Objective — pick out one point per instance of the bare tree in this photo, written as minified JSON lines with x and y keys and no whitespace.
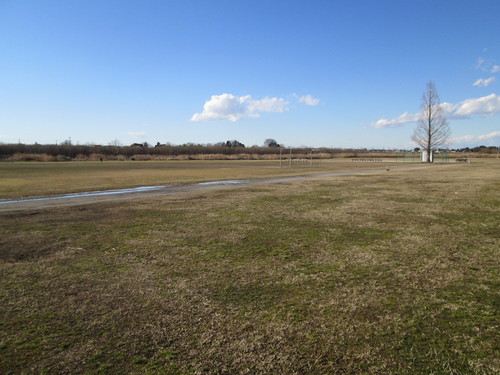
{"x":432,"y":130}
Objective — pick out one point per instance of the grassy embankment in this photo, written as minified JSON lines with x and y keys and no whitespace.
{"x":391,"y":272}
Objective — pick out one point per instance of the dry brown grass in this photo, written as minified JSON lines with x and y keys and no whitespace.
{"x":35,"y":179}
{"x":392,"y":272}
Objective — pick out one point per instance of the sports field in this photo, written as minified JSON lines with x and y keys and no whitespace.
{"x":384,"y":272}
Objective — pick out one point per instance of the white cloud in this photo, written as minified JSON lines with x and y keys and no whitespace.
{"x":234,"y":108}
{"x":463,"y":139}
{"x":485,"y":106}
{"x":450,"y":110}
{"x":495,"y":69}
{"x":397,"y":121}
{"x":266,"y":105}
{"x":481,"y":82}
{"x":476,"y":138}
{"x":309,"y":100}
{"x":489,"y":135}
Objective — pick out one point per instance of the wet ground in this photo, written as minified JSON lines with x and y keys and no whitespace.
{"x":73,"y":199}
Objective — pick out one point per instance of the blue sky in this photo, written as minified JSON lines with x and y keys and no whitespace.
{"x":316,"y":73}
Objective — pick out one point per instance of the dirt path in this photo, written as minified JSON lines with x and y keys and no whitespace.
{"x":65,"y":200}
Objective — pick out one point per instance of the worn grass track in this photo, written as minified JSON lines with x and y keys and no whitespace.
{"x":388,"y":273}
{"x":26,"y":179}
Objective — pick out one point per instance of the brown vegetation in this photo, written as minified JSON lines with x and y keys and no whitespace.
{"x":22,"y":152}
{"x":25,"y":179}
{"x":66,"y":152}
{"x":393,"y":273}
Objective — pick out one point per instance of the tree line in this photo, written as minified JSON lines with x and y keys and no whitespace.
{"x":232,"y":148}
{"x":227,"y":149}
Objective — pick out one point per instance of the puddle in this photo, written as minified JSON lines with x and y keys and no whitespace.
{"x":209,"y":183}
{"x":228,"y":182}
{"x":116,"y":191}
{"x":88,"y":194}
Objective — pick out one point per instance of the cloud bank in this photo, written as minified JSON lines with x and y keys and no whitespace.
{"x":234,"y":108}
{"x":485,"y":106}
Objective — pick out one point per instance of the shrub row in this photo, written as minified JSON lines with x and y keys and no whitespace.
{"x":62,"y":152}
{"x":24,"y":152}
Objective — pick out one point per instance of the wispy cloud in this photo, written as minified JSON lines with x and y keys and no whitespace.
{"x":309,"y":100}
{"x":482,"y":82}
{"x":234,"y":108}
{"x":485,"y":106}
{"x":487,"y":66}
{"x":396,"y":121}
{"x":476,"y":138}
{"x":480,"y":64}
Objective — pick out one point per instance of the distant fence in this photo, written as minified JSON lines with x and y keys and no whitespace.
{"x":367,"y":160}
{"x":300,"y":162}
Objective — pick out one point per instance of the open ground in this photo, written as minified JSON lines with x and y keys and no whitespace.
{"x":25,"y":179}
{"x":386,"y":272}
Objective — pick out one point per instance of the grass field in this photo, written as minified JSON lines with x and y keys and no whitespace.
{"x":25,"y":179}
{"x":391,"y":272}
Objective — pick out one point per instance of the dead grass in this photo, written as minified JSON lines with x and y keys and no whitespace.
{"x":395,"y":272}
{"x":27,"y":179}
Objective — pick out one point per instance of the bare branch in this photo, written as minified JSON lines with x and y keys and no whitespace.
{"x":432,"y":130}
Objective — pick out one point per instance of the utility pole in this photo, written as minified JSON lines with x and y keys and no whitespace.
{"x":290,"y":166}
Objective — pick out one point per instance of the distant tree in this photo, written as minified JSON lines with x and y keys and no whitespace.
{"x":234,"y":143}
{"x":432,"y":130}
{"x":416,"y":149}
{"x":271,"y":143}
